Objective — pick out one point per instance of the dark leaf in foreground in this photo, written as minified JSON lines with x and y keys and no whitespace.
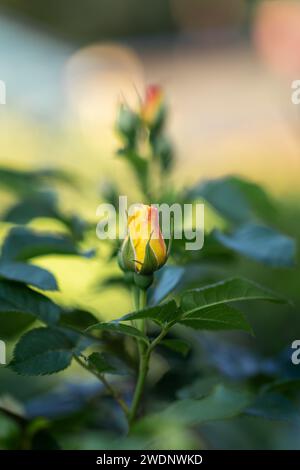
{"x":44,"y":351}
{"x":160,"y":314}
{"x":18,"y":298}
{"x":260,"y":243}
{"x":28,"y":274}
{"x":119,"y":328}
{"x":23,"y":243}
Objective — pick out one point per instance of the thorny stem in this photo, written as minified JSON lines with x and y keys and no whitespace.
{"x":143,"y":364}
{"x":136,"y":304}
{"x":144,"y":358}
{"x":158,"y":339}
{"x":143,"y":369}
{"x":107,"y":385}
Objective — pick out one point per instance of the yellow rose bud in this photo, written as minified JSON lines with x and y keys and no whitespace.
{"x":153,"y":109}
{"x":143,"y":250}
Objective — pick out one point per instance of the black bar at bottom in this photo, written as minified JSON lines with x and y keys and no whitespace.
{"x":128,"y":459}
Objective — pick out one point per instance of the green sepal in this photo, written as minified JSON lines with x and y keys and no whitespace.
{"x":150,"y":263}
{"x":126,"y":256}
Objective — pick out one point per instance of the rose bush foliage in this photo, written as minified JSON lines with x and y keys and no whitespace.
{"x":174,"y":304}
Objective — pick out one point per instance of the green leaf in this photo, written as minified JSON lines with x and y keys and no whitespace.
{"x":222,"y":403}
{"x":40,"y":204}
{"x":260,"y":243}
{"x":78,"y":319}
{"x":259,"y":201}
{"x":160,"y":314}
{"x":45,"y":351}
{"x":201,"y":387}
{"x":44,"y":204}
{"x":166,"y":279}
{"x":27,"y":181}
{"x":98,"y":361}
{"x":231,"y":290}
{"x":28,"y":274}
{"x":23,"y":243}
{"x":218,"y":317}
{"x":213,"y":251}
{"x":273,"y":406}
{"x":235,"y":198}
{"x":206,"y":308}
{"x":285,"y":386}
{"x":18,"y":298}
{"x":115,"y":327}
{"x":178,"y":345}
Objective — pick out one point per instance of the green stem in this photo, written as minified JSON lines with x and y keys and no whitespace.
{"x":144,"y":356}
{"x":135,"y":297}
{"x":107,"y":385}
{"x":158,"y":339}
{"x":143,"y":370}
{"x":143,"y":304}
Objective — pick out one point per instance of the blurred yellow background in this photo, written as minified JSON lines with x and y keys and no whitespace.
{"x":226,"y":83}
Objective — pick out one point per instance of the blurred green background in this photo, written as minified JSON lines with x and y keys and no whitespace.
{"x":226,"y":67}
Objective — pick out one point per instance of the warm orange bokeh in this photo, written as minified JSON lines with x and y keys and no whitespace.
{"x":276,"y":35}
